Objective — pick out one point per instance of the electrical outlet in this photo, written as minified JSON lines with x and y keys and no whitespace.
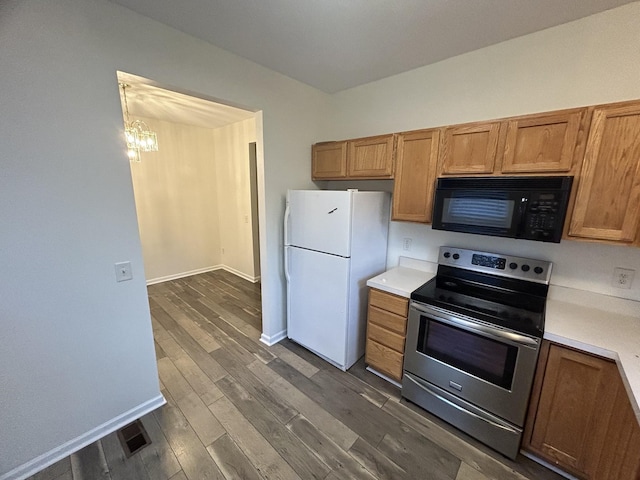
{"x":622,"y":277}
{"x":123,"y":271}
{"x":406,"y":244}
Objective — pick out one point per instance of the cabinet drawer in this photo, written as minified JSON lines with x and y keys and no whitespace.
{"x":384,"y":360}
{"x":388,"y":320}
{"x":385,"y":337}
{"x":389,"y":302}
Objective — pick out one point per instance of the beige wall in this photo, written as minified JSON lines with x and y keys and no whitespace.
{"x":193,"y":200}
{"x":176,"y":196}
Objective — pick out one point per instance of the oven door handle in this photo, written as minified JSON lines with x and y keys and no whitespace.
{"x":474,"y":326}
{"x":458,"y":407}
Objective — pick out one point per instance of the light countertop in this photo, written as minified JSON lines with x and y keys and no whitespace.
{"x":610,"y":334}
{"x":405,"y":278}
{"x":599,"y":324}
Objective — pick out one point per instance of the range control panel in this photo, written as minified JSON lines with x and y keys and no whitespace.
{"x":497,"y":264}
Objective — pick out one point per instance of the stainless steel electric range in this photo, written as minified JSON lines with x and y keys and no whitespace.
{"x":473,"y":338}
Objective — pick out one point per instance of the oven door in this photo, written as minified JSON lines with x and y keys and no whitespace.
{"x":487,"y":366}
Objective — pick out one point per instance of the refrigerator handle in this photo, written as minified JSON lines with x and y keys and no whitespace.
{"x":287,"y":214}
{"x":286,"y":265}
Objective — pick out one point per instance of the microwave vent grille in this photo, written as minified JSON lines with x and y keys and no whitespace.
{"x":519,"y":183}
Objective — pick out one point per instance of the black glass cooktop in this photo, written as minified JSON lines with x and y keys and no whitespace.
{"x":514,"y":304}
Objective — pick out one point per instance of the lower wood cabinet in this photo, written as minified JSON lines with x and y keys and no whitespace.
{"x":386,"y":330}
{"x":580,"y":417}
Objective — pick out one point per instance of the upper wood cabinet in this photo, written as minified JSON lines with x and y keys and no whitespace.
{"x":416,"y":161}
{"x":469,"y":149}
{"x":580,"y":417}
{"x":370,"y":157}
{"x":329,"y":160}
{"x":542,"y":143}
{"x":607,"y":205}
{"x":598,"y":145}
{"x":362,"y":158}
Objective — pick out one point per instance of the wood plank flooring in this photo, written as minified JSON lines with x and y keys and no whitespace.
{"x":238,"y":409}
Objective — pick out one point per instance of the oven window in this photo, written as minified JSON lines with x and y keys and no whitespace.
{"x":483,"y":212}
{"x":475,"y":354}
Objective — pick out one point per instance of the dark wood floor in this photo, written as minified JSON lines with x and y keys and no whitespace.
{"x":238,"y":409}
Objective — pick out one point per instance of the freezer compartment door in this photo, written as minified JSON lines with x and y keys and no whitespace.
{"x":317,"y":300}
{"x":319,"y":220}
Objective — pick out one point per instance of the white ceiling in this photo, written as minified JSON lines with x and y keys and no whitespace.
{"x":338,"y":44}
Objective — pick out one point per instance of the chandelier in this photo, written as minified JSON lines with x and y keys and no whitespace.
{"x":139,"y":137}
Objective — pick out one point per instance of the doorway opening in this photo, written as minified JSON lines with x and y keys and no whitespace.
{"x":196,"y":197}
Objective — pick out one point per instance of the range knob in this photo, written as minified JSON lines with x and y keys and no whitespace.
{"x":525,"y":268}
{"x":538,"y":270}
{"x":446,"y":254}
{"x":456,"y":256}
{"x":513,"y":265}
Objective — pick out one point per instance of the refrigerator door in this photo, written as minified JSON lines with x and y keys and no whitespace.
{"x":319,"y":220}
{"x":317,"y":297}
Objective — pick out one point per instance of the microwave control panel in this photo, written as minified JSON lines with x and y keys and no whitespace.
{"x":542,"y":219}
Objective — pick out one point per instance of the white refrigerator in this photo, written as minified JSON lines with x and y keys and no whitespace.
{"x":334,"y":242}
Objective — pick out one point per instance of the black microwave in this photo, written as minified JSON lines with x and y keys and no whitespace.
{"x":531,"y":208}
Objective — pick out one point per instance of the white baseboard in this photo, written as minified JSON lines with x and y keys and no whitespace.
{"x":52,"y":456}
{"x":175,"y":276}
{"x":550,"y":466}
{"x":271,"y":339}
{"x":384,"y":377}
{"x":241,"y":274}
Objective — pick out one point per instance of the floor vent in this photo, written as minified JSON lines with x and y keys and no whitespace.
{"x":133,"y":438}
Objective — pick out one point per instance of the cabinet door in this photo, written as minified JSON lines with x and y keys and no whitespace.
{"x":413,"y":189}
{"x":469,"y":149}
{"x":329,"y":160}
{"x":581,"y":417}
{"x":575,"y":385}
{"x":607,"y":205}
{"x":370,"y":157}
{"x":541,"y":143}
{"x":619,"y":455}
